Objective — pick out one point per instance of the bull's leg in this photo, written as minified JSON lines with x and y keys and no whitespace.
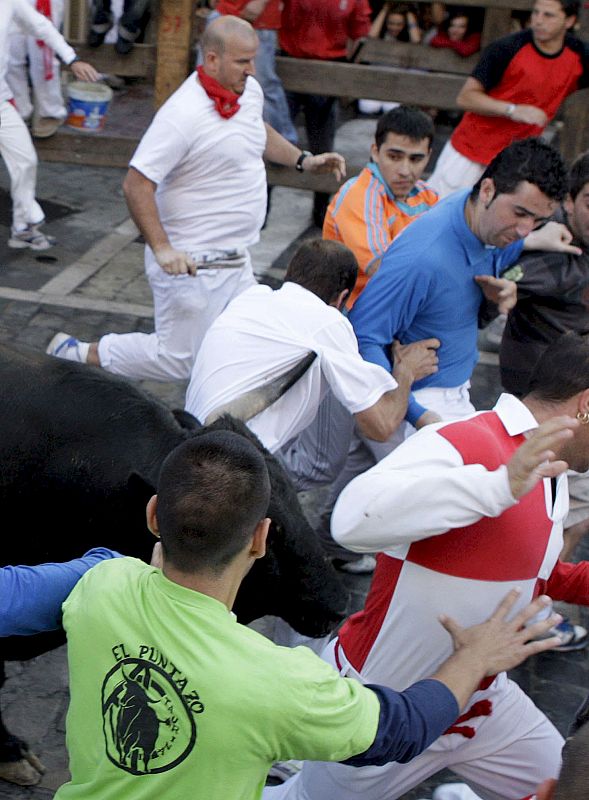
{"x":17,"y":763}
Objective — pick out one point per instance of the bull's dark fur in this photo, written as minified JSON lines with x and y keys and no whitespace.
{"x":80,"y":455}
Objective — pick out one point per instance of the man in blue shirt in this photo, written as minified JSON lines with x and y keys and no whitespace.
{"x":436,"y":278}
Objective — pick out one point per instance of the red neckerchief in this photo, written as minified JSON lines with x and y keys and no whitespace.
{"x":44,"y":7}
{"x":226,"y":102}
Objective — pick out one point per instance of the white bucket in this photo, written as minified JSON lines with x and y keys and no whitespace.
{"x":87,"y":105}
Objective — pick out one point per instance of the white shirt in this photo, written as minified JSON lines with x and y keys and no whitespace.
{"x":20,"y":14}
{"x":262,"y":334}
{"x":210,"y":172}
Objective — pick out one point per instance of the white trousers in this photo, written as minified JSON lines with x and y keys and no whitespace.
{"x":184,"y":308}
{"x":454,"y":171}
{"x":513,"y":750}
{"x":48,"y":100}
{"x":16,"y":148}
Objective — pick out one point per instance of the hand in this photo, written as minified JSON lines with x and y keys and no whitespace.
{"x":498,"y":290}
{"x":84,"y":71}
{"x":554,"y":237}
{"x":326,"y":162}
{"x":174,"y":262}
{"x":427,"y":418}
{"x":252,"y":10}
{"x":156,"y":556}
{"x":499,"y":644}
{"x":534,"y":460}
{"x":530,"y":115}
{"x":419,"y":358}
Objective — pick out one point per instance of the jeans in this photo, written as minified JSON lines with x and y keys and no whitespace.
{"x":276,"y":111}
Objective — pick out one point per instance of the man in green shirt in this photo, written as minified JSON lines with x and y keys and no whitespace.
{"x":172,"y":698}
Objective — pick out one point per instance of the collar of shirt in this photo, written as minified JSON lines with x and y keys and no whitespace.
{"x":473,"y":247}
{"x":190,"y":597}
{"x":515,"y":416}
{"x":378,"y":175}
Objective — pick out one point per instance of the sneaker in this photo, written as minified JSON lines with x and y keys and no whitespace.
{"x":44,"y":127}
{"x":360,"y":566}
{"x":32,"y":238}
{"x":65,"y":346}
{"x":573,"y":637}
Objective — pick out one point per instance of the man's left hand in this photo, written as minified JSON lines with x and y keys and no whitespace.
{"x":84,"y":71}
{"x":553,"y":237}
{"x":499,"y":291}
{"x":326,"y":162}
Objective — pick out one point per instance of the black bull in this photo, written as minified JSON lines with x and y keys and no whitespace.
{"x":80,"y":454}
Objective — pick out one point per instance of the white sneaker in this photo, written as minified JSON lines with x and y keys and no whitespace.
{"x":454,"y":791}
{"x":65,"y":346}
{"x":31,"y":237}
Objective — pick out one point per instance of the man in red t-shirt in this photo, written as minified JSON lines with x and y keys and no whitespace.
{"x":264,"y":15}
{"x":514,"y":91}
{"x":320,"y":29}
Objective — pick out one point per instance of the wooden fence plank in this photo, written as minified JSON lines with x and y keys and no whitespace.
{"x":140,"y":63}
{"x":333,"y":78}
{"x":414,"y":56}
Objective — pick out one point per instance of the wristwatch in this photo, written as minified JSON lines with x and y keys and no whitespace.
{"x":510,"y":109}
{"x":301,"y":158}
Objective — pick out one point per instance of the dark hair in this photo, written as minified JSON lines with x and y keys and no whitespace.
{"x":528,"y":160}
{"x":458,"y":11}
{"x":571,"y":8}
{"x":562,"y":371}
{"x":323,"y":267}
{"x":397,"y":8}
{"x":212,"y":492}
{"x":579,"y":174}
{"x":405,"y":121}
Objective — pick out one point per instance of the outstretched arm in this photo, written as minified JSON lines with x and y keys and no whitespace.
{"x":376,"y":511}
{"x":410,"y":721}
{"x":31,"y":597}
{"x":281,"y":151}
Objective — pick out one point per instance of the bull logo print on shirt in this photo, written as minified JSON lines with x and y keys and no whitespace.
{"x":148,"y":726}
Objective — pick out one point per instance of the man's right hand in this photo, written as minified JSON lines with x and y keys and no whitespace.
{"x":531,"y":115}
{"x":427,"y":418}
{"x":419,"y":359}
{"x":174,"y":262}
{"x":535,"y":459}
{"x":500,"y":643}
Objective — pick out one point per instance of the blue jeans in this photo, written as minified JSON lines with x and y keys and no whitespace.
{"x":276,"y":112}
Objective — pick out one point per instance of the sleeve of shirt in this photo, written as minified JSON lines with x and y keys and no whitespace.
{"x":361,"y":225}
{"x":324,"y":717}
{"x":30,"y":21}
{"x":162,"y":147}
{"x":495,"y":59}
{"x":357,"y":384}
{"x":409,"y":722}
{"x":547,"y":274}
{"x":569,"y":583}
{"x":377,"y":510}
{"x":31,"y":597}
{"x":378,"y":319}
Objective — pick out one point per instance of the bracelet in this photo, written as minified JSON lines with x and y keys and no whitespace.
{"x":509,"y":111}
{"x":301,"y":158}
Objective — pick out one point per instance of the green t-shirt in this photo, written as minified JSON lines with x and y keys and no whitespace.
{"x":172,"y":698}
